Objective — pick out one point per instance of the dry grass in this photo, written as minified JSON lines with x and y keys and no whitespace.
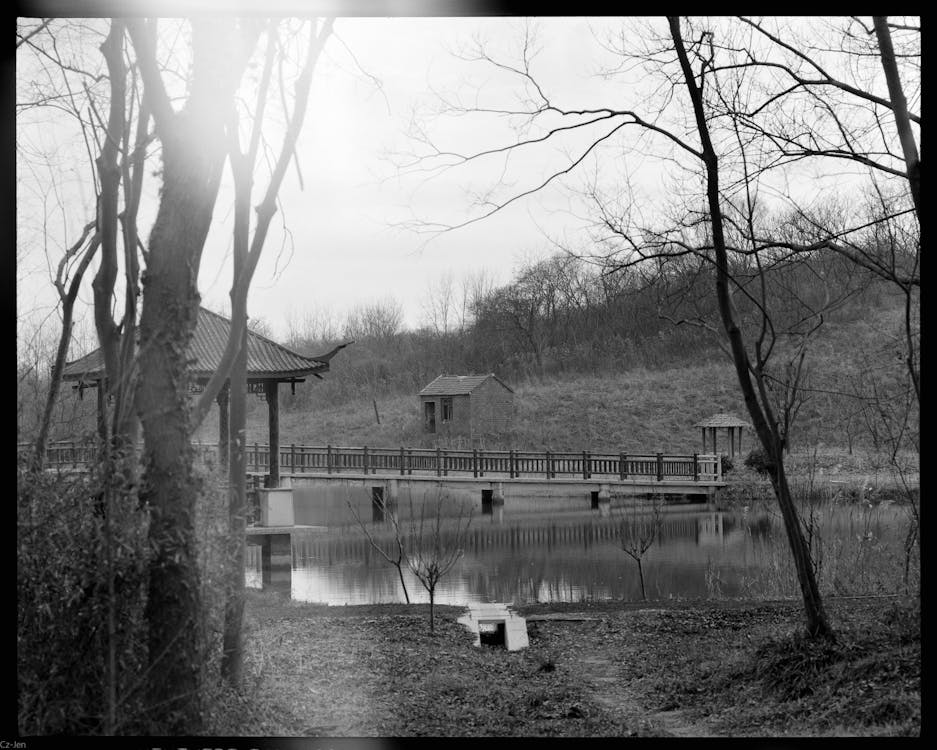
{"x":663,"y":669}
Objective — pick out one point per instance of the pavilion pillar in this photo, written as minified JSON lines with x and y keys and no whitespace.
{"x":271,"y":387}
{"x":223,"y":434}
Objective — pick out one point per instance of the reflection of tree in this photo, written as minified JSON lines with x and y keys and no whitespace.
{"x":549,"y":565}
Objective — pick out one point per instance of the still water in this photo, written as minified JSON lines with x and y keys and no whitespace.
{"x":576,"y":555}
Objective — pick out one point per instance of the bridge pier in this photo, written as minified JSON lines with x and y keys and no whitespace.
{"x":276,"y":560}
{"x":497,"y":493}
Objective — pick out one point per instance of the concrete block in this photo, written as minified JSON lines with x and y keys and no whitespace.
{"x":515,"y":627}
{"x":276,"y":507}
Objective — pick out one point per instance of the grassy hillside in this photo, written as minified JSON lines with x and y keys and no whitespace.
{"x":631,"y":410}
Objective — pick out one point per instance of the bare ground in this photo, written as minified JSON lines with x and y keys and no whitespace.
{"x":606,"y":669}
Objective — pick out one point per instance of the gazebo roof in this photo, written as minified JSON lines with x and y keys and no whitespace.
{"x":722,"y":420}
{"x":266,"y":359}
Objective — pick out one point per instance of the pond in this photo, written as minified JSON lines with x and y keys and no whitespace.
{"x":577,"y":555}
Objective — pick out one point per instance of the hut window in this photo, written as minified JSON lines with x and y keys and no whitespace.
{"x":446,"y":409}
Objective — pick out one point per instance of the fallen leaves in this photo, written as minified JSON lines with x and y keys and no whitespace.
{"x":378,"y":671}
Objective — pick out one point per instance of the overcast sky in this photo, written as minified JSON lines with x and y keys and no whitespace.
{"x":337,"y":241}
{"x":344,"y":245}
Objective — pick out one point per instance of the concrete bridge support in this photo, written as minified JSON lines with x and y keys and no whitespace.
{"x":276,"y":560}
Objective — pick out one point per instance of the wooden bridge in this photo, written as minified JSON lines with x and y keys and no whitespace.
{"x":298,"y":460}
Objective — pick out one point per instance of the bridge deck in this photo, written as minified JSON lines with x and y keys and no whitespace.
{"x":544,"y":465}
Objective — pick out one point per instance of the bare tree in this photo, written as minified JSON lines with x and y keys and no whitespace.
{"x":439,"y":304}
{"x":637,"y":530}
{"x":715,"y":215}
{"x":397,"y":556}
{"x":378,"y":320}
{"x":432,"y":545}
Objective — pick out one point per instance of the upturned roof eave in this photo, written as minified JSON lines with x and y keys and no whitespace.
{"x":205,"y":375}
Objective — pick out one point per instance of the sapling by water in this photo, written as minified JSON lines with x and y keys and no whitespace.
{"x":637,"y":530}
{"x":431,"y":551}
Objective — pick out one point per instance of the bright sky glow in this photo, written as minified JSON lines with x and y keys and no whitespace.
{"x":337,"y":242}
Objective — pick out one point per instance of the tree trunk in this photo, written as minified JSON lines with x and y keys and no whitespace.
{"x":233,"y":656}
{"x":432,"y":606}
{"x":109,"y":173}
{"x":61,"y":354}
{"x":816,"y":621}
{"x":191,"y":163}
{"x":403,"y":585}
{"x":900,"y":107}
{"x":641,"y":577}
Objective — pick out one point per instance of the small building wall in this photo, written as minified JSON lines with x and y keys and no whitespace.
{"x":492,"y":408}
{"x":461,"y":422}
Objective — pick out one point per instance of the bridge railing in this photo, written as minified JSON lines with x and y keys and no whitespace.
{"x":299,"y":459}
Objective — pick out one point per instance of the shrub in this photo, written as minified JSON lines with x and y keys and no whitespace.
{"x":727,"y":464}
{"x":759,"y":461}
{"x":64,"y":553}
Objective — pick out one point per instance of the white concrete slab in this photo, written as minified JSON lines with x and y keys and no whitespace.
{"x":493,"y":613}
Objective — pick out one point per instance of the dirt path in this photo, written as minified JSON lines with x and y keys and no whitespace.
{"x":607,"y":687}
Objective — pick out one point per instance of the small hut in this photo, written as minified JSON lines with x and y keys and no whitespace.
{"x":728,"y":422}
{"x":468,"y":405}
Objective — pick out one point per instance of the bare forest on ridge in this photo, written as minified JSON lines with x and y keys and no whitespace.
{"x":599,"y":357}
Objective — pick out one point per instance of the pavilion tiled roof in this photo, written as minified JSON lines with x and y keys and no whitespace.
{"x":458,"y":385}
{"x":265,"y":358}
{"x":722,"y":420}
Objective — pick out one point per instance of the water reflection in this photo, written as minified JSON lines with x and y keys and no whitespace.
{"x":565,"y":556}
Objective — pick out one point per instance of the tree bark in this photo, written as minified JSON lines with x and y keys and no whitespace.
{"x":109,"y":173}
{"x":193,"y":156}
{"x":900,"y":107}
{"x":233,"y":653}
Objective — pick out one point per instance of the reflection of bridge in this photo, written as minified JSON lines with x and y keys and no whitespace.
{"x":528,"y":531}
{"x":275,"y":552}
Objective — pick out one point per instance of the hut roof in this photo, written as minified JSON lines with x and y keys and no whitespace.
{"x":458,"y":385}
{"x":722,"y":420}
{"x":266,"y":359}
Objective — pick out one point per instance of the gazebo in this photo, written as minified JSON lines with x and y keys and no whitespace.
{"x":268,"y":365}
{"x":728,"y":422}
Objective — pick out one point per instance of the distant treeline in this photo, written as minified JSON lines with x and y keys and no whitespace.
{"x":567,"y":315}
